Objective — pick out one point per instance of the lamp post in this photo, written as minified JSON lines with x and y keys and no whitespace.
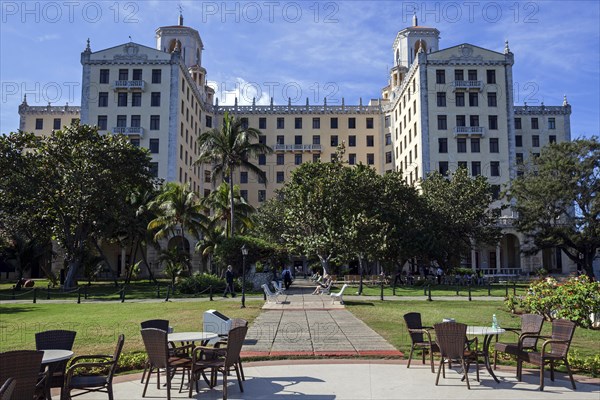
{"x":244,"y":254}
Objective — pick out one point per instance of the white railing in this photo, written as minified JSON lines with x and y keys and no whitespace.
{"x":297,"y":147}
{"x":130,"y":85}
{"x":466,"y":85}
{"x":129,"y":130}
{"x":469,"y":130}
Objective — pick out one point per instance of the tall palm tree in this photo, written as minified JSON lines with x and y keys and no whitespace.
{"x":231,"y":147}
{"x":219,"y":201}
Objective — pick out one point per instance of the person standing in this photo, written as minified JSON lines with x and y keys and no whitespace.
{"x":287,"y":278}
{"x":229,"y":282}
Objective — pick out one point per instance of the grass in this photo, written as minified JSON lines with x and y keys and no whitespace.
{"x":496,"y":289}
{"x":98,"y":324}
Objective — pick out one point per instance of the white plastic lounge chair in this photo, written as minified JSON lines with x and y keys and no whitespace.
{"x":277,"y":286}
{"x":338,"y":296}
{"x":326,"y":289}
{"x":271,"y":297}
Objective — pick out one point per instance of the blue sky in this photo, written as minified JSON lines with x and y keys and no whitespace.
{"x":300,"y":49}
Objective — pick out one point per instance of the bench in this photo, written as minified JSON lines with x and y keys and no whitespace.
{"x":271,"y":297}
{"x":338,"y":296}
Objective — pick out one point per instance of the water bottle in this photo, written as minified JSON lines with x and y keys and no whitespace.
{"x":494,"y":322}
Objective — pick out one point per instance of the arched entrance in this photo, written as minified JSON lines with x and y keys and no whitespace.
{"x":180,"y":243}
{"x":510,"y":252}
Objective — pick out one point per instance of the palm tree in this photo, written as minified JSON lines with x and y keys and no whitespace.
{"x":229,"y":148}
{"x":219,"y":201}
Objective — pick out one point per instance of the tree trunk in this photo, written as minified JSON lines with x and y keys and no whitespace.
{"x":360,"y":271}
{"x":231,"y":202}
{"x":324,"y":264}
{"x":145,"y":260}
{"x":73,"y":267}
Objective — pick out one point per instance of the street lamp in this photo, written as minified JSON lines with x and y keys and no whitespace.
{"x":244,"y":254}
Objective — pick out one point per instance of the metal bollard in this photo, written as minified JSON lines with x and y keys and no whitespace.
{"x":158,"y":291}
{"x":506,"y":289}
{"x":34,"y":295}
{"x":381,"y":295}
{"x":489,"y":288}
{"x":514,"y":288}
{"x":168,"y":292}
{"x":470,"y":293}
{"x":78,"y":295}
{"x":394,"y":289}
{"x":85,"y":292}
{"x":210,"y":292}
{"x":48,"y":293}
{"x":429,"y":294}
{"x":457,"y":289}
{"x":123,"y":294}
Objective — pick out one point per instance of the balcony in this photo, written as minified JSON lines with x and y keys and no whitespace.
{"x":130,"y":85}
{"x":469,"y":131}
{"x":129,"y":130}
{"x":297,"y":147}
{"x":467,"y":85}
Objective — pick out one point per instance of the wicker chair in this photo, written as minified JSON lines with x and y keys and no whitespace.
{"x":531,"y":324}
{"x":219,"y":360}
{"x":451,"y":339}
{"x":235,"y":322}
{"x":558,"y":343}
{"x":418,"y":332}
{"x":161,"y":324}
{"x":24,"y":367}
{"x":160,"y":357}
{"x":7,"y":389}
{"x":87,"y":381}
{"x":56,"y":339}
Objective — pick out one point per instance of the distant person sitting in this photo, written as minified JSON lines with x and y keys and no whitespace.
{"x":326,"y":284}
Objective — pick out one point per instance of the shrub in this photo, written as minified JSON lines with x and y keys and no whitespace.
{"x":199,"y":282}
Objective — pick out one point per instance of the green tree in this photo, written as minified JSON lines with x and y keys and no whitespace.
{"x":229,"y":148}
{"x":219,"y":202}
{"x":459,"y":215}
{"x":557,"y":200}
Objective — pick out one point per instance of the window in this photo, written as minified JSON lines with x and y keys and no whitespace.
{"x":104,"y":75}
{"x":262,"y":195}
{"x":39,"y":123}
{"x":475,"y":168}
{"x":552,"y":138}
{"x":495,"y":191}
{"x":245,"y":123}
{"x":519,"y":158}
{"x":459,"y":99}
{"x":370,"y":140}
{"x":388,"y":139}
{"x":102,"y":122}
{"x":333,"y":123}
{"x":473,"y":100}
{"x":440,"y":76}
{"x":56,"y":123}
{"x":262,"y":159}
{"x":491,"y":76}
{"x":534,"y":123}
{"x":297,"y":159}
{"x":316,"y":139}
{"x":441,"y":99}
{"x":121,"y":121}
{"x":518,"y":141}
{"x":461,"y":145}
{"x":154,"y":122}
{"x":262,"y":139}
{"x":443,"y":167}
{"x":387,"y":121}
{"x":460,"y":120}
{"x":136,"y":121}
{"x":492,"y":100}
{"x":136,"y":99}
{"x":472,"y":74}
{"x":370,"y":158}
{"x":352,"y":158}
{"x":369,"y":123}
{"x":351,"y":123}
{"x":243,"y":194}
{"x":494,"y":146}
{"x":459,"y":75}
{"x":442,"y":122}
{"x":474,"y":120}
{"x":388,"y":157}
{"x":334,"y":140}
{"x":154,"y":169}
{"x":535,"y":140}
{"x":156,"y":76}
{"x":298,"y":123}
{"x":551,"y":123}
{"x":442,"y":145}
{"x":155,"y":99}
{"x":475,"y":145}
{"x":518,"y":123}
{"x":280,"y":139}
{"x":137,"y":74}
{"x":495,"y":168}
{"x":207,"y":175}
{"x":462,"y":164}
{"x":103,"y":99}
{"x":280,"y":159}
{"x":154,"y":146}
{"x":135,"y":142}
{"x":208,"y":120}
{"x":280,"y":177}
{"x":298,"y":139}
{"x":280,"y":123}
{"x":316,"y":123}
{"x":262,"y":123}
{"x":493,"y":122}
{"x":243,"y":177}
{"x":352,"y":141}
{"x":123,"y":74}
{"x":122,"y":100}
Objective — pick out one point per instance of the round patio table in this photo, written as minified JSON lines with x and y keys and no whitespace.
{"x":488,"y":333}
{"x":190,"y":337}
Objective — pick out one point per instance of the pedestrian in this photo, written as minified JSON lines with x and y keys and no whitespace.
{"x":287,"y":278}
{"x":439,"y":274}
{"x":229,"y":282}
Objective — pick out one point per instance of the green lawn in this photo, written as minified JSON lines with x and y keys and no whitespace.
{"x":496,"y":289}
{"x":99,"y":324}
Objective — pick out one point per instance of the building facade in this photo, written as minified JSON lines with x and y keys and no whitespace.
{"x":442,"y":109}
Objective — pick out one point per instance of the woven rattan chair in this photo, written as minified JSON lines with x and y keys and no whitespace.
{"x":235,"y":322}
{"x":24,"y":367}
{"x":451,"y":339}
{"x":219,"y":360}
{"x":52,"y":340}
{"x":161,"y":324}
{"x":554,"y":349}
{"x":531,"y":324}
{"x":420,"y":337}
{"x":92,"y":376}
{"x":160,"y":357}
{"x":7,"y":389}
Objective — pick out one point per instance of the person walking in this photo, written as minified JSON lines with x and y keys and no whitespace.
{"x":287,"y":278}
{"x":229,"y":282}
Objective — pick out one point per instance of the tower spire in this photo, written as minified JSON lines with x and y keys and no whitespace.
{"x":180,"y":21}
{"x":414,"y":20}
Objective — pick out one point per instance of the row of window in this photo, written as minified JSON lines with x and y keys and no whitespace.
{"x":122,"y":99}
{"x":459,"y":75}
{"x":461,"y":145}
{"x":535,"y":123}
{"x":535,"y":140}
{"x":316,"y":139}
{"x":136,"y":75}
{"x":56,"y":123}
{"x":459,"y":99}
{"x":461,"y":120}
{"x":122,"y":122}
{"x":494,"y":170}
{"x":316,"y":123}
